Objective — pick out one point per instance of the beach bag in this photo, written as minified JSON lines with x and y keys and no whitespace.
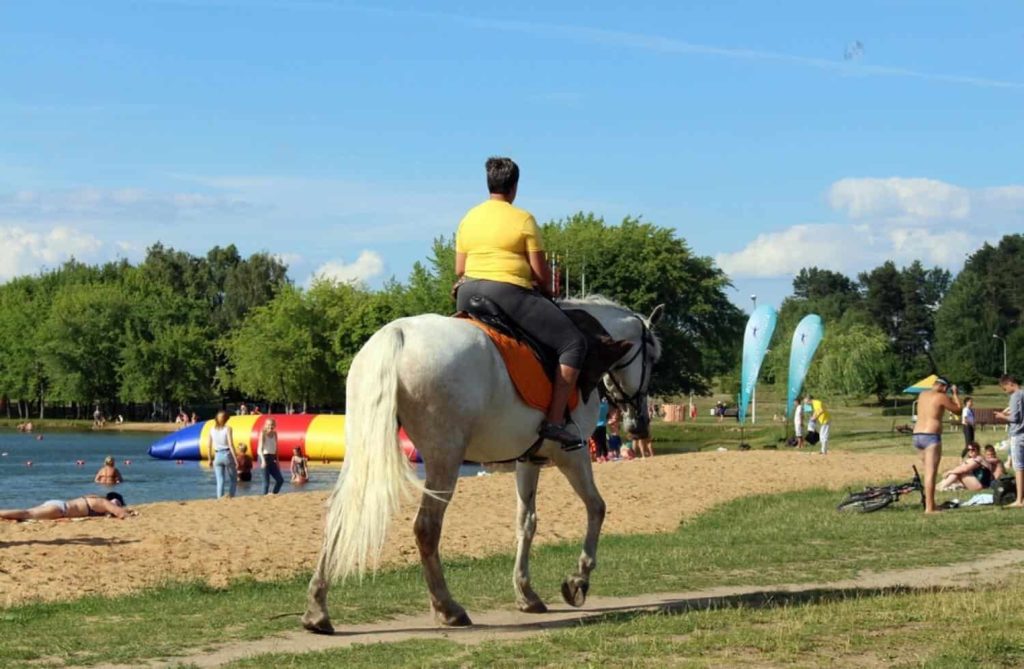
{"x":1004,"y":490}
{"x":812,"y":437}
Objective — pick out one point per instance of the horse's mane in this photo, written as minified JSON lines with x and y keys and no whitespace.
{"x":597,"y":300}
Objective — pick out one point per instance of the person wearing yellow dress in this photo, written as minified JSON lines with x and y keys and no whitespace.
{"x":499,"y":255}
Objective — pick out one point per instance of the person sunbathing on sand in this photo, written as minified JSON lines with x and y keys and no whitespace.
{"x":79,"y":507}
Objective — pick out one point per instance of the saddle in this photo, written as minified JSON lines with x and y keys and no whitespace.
{"x":531,"y":365}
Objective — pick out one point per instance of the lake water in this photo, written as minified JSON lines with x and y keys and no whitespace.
{"x":54,"y":473}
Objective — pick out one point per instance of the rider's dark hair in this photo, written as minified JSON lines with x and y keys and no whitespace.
{"x":1008,"y":378}
{"x":502,"y":175}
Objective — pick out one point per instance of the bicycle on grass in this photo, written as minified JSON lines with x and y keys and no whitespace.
{"x":878,"y":497}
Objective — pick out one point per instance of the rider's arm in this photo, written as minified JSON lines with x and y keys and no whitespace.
{"x":460,"y":264}
{"x":539,"y":269}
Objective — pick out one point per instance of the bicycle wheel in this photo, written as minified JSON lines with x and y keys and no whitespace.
{"x":866,"y":493}
{"x":859,"y":503}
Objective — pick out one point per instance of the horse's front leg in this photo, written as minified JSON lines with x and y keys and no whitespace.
{"x":526,"y":526}
{"x":427,"y":528}
{"x":576,"y":467}
{"x":316,"y":619}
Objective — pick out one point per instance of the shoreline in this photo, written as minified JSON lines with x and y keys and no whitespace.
{"x":47,"y":425}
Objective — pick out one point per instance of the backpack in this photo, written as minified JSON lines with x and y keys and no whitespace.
{"x":1004,"y":490}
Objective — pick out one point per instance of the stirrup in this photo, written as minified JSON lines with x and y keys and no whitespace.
{"x":558,"y":433}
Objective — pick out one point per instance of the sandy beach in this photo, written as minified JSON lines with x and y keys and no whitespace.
{"x":220,"y":540}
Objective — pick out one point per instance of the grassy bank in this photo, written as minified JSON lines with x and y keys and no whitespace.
{"x":762,"y":540}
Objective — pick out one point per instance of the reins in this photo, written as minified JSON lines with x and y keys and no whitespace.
{"x":624,"y":398}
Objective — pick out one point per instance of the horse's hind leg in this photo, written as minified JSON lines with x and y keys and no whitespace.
{"x":576,"y":467}
{"x":441,"y":479}
{"x":316,"y":618}
{"x":526,"y":526}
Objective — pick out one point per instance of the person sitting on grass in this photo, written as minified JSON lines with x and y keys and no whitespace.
{"x":972,"y":473}
{"x":992,"y":461}
{"x":86,"y":506}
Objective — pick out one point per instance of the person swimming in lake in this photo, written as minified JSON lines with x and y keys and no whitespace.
{"x":244,"y":464}
{"x":108,"y":473}
{"x":300,"y":467}
{"x":87,"y":506}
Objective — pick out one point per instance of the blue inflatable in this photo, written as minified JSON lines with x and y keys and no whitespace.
{"x":181,"y":445}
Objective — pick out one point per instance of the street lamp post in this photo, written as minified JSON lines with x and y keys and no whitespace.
{"x":1002,"y":339}
{"x":753,"y":398}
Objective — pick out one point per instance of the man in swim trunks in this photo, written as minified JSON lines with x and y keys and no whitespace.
{"x":80,"y":507}
{"x":928,"y":432}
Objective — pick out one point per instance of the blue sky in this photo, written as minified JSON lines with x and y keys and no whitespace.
{"x":346,"y":136}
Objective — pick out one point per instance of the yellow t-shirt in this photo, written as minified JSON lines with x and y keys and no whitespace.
{"x":496,"y":237}
{"x":816,"y":407}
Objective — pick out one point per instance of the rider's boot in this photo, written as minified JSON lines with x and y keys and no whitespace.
{"x":559,"y":433}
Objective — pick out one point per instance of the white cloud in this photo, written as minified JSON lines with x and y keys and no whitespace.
{"x":367,"y":266}
{"x":289,"y":259}
{"x":900,"y":219}
{"x":787,"y":251}
{"x":900,"y":198}
{"x":118,"y":203}
{"x":23,"y":251}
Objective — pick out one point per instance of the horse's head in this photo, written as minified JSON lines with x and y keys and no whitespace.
{"x":627,"y":380}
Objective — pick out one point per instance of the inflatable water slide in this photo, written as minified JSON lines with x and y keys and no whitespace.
{"x":321,"y":436}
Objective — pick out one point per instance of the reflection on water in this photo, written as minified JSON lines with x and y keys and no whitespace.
{"x":55,"y":474}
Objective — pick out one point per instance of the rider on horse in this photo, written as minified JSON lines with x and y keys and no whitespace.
{"x":499,"y":256}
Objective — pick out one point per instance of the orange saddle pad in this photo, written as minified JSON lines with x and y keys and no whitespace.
{"x":524,"y":369}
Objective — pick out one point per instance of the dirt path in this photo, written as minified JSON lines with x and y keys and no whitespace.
{"x":217,"y":541}
{"x":505,"y":625}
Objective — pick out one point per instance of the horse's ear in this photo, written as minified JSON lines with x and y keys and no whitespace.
{"x":656,"y":315}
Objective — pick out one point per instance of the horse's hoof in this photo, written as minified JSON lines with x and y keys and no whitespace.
{"x":460,"y":619}
{"x":322,"y":626}
{"x":535,"y":606}
{"x":574,"y":592}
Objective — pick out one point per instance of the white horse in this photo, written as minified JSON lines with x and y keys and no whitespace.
{"x":445,"y":382}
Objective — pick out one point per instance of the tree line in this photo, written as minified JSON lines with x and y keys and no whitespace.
{"x":180,"y":330}
{"x":890,"y":326}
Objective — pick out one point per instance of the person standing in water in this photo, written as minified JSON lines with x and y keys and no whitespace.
{"x":221,"y":455}
{"x":300,"y":469}
{"x":267,"y":452}
{"x":931,"y":406}
{"x":108,"y":473}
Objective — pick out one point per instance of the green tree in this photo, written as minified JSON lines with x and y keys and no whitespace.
{"x":642,"y":265}
{"x":985,"y":299}
{"x":282,"y":352}
{"x":81,"y":342}
{"x":852,"y":361}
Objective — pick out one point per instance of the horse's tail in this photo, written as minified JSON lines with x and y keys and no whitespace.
{"x":376,"y":475}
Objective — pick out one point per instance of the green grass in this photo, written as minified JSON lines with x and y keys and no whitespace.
{"x":851,"y":628}
{"x":856,"y":426}
{"x":764,"y":540}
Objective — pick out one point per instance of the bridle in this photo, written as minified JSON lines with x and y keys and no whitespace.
{"x":615,"y":394}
